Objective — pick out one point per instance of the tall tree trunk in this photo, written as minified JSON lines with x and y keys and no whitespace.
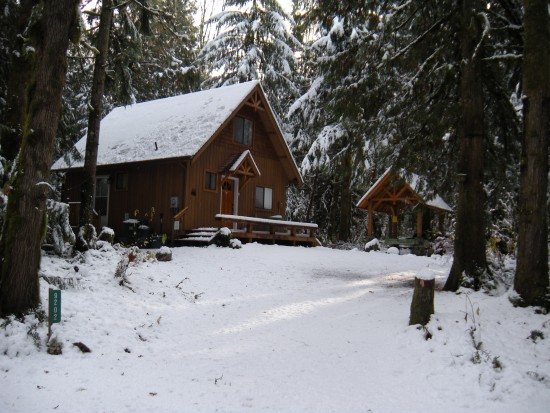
{"x":94,"y":116}
{"x":345,"y":198}
{"x":25,"y":221}
{"x":531,"y":280}
{"x":19,"y":77}
{"x":469,"y":246}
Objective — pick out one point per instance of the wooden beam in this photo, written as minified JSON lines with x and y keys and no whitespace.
{"x":403,"y":199}
{"x":419,"y":217}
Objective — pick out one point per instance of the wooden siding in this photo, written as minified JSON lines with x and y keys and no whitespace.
{"x":204,"y":205}
{"x":150,"y":185}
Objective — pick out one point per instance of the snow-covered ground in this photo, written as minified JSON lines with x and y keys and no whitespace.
{"x":276,"y":329}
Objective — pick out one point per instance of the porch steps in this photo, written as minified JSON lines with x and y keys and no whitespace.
{"x":198,"y":237}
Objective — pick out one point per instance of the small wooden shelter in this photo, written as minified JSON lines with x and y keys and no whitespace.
{"x":392,"y":194}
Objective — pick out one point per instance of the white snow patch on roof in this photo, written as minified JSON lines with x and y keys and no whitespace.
{"x":240,"y":159}
{"x":438,"y":202}
{"x":172,"y":127}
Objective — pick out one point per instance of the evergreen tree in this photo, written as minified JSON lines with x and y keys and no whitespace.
{"x":14,"y":72}
{"x":165,"y":66}
{"x":254,"y":42}
{"x":95,"y":113}
{"x":334,"y":119}
{"x":51,"y":25}
{"x":531,"y":280}
{"x":469,"y":258}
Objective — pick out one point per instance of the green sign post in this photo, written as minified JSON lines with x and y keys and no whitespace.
{"x":54,"y":315}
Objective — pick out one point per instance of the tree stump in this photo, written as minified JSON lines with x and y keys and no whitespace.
{"x":422,"y":305}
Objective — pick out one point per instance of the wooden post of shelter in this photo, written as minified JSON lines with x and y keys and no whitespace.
{"x":419,"y":216}
{"x":370,"y":229}
{"x":393,"y":225}
{"x":441,"y":222}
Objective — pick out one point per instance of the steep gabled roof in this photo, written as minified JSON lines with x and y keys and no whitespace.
{"x":411,"y":190}
{"x":173,"y":127}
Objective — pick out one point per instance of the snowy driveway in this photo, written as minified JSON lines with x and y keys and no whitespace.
{"x":269,"y":328}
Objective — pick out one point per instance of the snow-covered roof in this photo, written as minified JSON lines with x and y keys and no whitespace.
{"x":435,"y":201}
{"x":373,"y":187}
{"x":165,"y":128}
{"x":415,"y":183}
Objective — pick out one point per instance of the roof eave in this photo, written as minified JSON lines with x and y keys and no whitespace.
{"x":122,"y":164}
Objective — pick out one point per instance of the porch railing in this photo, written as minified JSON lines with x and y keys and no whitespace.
{"x":271,"y":229}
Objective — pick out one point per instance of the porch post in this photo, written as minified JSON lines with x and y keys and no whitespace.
{"x":419,"y":223}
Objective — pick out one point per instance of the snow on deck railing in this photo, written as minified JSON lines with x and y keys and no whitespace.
{"x":267,"y":221}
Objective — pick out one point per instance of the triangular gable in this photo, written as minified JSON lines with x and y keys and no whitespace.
{"x":407,"y":193}
{"x":258,"y":101}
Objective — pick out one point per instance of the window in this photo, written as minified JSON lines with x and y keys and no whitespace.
{"x":210,"y":182}
{"x":121,"y":182}
{"x":242,"y":130}
{"x":264,"y":197}
{"x":101,"y":196}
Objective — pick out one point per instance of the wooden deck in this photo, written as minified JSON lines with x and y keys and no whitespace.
{"x":271,"y":230}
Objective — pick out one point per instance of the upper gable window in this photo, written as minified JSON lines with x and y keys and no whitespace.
{"x":242,"y":130}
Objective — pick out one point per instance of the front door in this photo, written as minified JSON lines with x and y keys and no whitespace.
{"x":227,"y":197}
{"x":102,"y":200}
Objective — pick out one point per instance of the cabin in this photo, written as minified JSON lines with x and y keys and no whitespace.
{"x":184,"y":166}
{"x":396,"y":197}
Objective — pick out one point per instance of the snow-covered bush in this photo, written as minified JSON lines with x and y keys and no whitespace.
{"x":235,"y":243}
{"x":164,"y":254}
{"x":443,"y":245}
{"x":59,"y":234}
{"x":393,"y":250}
{"x":107,"y":234}
{"x":87,"y":238}
{"x":222,"y":238}
{"x":372,"y":245}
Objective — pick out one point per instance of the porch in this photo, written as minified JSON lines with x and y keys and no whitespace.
{"x":253,"y":229}
{"x":249,"y":229}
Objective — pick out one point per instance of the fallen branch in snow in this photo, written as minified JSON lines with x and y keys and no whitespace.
{"x":178,"y":284}
{"x":82,"y":347}
{"x":217,"y":379}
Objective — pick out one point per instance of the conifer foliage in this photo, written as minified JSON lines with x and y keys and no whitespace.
{"x":455,"y":91}
{"x":254,"y":41}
